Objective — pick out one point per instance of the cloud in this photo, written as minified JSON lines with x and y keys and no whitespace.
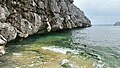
{"x":100,"y":11}
{"x":100,"y":5}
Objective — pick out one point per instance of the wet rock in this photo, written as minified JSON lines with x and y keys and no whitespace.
{"x":66,"y":64}
{"x":2,"y":50}
{"x":99,"y":64}
{"x":64,"y":61}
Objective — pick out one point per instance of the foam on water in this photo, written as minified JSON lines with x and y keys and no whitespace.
{"x":60,"y":49}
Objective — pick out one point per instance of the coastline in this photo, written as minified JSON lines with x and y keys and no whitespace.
{"x":25,"y":54}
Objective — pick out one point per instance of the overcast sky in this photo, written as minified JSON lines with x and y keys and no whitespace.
{"x":100,"y":11}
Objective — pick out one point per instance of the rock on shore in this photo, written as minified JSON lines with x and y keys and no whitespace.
{"x":21,"y":18}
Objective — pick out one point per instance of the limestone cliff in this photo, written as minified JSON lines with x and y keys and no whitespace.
{"x":21,"y":18}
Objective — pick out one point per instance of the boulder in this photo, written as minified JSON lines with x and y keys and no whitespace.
{"x":4,"y":13}
{"x":3,"y":41}
{"x":2,"y":50}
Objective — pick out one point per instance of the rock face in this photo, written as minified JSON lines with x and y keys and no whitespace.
{"x":117,"y":24}
{"x":21,"y":18}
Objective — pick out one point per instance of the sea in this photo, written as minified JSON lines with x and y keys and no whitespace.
{"x":99,"y":43}
{"x":102,"y":41}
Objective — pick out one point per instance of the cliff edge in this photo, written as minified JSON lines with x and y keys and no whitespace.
{"x":21,"y":18}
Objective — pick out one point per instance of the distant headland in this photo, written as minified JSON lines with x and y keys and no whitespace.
{"x":117,"y":24}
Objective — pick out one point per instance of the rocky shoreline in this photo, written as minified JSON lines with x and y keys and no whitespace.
{"x":50,"y":50}
{"x":22,"y":18}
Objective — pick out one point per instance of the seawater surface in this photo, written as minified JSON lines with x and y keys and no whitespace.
{"x":99,"y":43}
{"x":102,"y":41}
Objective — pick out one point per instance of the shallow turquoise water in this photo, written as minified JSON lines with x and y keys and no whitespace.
{"x":23,"y":49}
